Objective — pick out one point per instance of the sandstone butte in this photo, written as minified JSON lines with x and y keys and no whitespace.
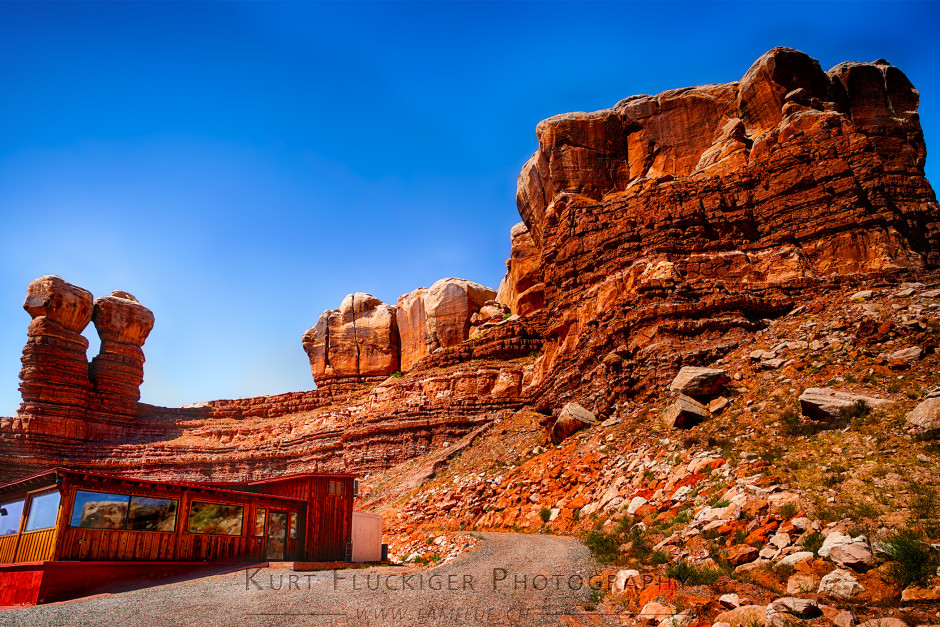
{"x":659,"y":233}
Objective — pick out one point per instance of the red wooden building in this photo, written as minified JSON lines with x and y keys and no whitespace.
{"x":118,"y":528}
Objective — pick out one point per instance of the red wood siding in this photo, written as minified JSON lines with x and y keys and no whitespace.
{"x":328,"y":522}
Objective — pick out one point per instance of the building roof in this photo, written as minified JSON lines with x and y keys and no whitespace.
{"x":53,"y":476}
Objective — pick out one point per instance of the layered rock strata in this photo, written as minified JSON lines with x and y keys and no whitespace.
{"x":65,"y":397}
{"x":657,"y":234}
{"x":668,"y":227}
{"x":365,"y":339}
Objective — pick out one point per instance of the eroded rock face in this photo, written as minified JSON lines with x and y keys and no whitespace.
{"x":522,"y":289}
{"x":63,"y":395}
{"x":123,"y":325}
{"x":359,"y":339}
{"x":55,"y":385}
{"x":667,"y":227}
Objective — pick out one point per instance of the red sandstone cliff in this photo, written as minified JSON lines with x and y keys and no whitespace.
{"x":659,"y":233}
{"x":668,"y":226}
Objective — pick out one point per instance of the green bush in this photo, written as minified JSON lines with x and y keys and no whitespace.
{"x":660,"y":557}
{"x":604,"y":546}
{"x":545,"y":514}
{"x":813,"y":541}
{"x":788,"y":511}
{"x":912,"y":559}
{"x":691,"y":575}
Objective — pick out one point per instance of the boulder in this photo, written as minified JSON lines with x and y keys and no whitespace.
{"x":742,"y":554}
{"x":654,"y":613}
{"x":827,"y":403}
{"x":694,"y":381}
{"x":833,"y":539}
{"x":801,"y":583}
{"x":802,"y":608}
{"x":438,"y":317}
{"x":571,"y":419}
{"x":624,"y":579}
{"x":743,"y":616}
{"x":449,"y":304}
{"x":359,"y":339}
{"x":923,"y":421}
{"x":840,"y":584}
{"x":909,"y":354}
{"x":855,"y":556}
{"x":685,"y":412}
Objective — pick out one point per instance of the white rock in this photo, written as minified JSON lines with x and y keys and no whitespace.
{"x":635,"y":504}
{"x":729,"y":601}
{"x":862,"y":295}
{"x":804,"y":608}
{"x":831,"y":540}
{"x":620,"y":581}
{"x":840,"y":584}
{"x":780,"y":540}
{"x":794,"y":559}
{"x":855,"y":556}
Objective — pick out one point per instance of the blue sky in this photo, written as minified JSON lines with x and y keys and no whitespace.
{"x":240,"y":167}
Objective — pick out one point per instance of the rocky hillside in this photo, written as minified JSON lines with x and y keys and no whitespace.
{"x":787,"y":489}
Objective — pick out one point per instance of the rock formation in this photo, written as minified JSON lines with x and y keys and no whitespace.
{"x":123,"y":325}
{"x":700,"y":212}
{"x":63,"y":395}
{"x":663,"y":232}
{"x":365,"y":338}
{"x":55,"y":385}
{"x":359,"y":340}
{"x":522,"y":289}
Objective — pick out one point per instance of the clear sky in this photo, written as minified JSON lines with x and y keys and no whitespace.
{"x":240,"y":167}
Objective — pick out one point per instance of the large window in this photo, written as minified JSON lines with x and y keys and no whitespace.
{"x":100,"y":510}
{"x":43,"y":511}
{"x":10,"y":516}
{"x":148,"y":514}
{"x":216,"y":519}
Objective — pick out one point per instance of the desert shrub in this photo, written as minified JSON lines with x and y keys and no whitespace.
{"x":397,"y":374}
{"x":604,"y":546}
{"x":813,"y":541}
{"x":924,"y":501}
{"x":788,"y":511}
{"x":692,"y":575}
{"x":912,"y":559}
{"x":660,"y":557}
{"x":545,"y":514}
{"x":576,"y":515}
{"x":682,"y":517}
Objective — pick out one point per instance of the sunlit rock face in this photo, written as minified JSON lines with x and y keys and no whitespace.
{"x":63,"y":395}
{"x":667,"y":226}
{"x":359,"y":339}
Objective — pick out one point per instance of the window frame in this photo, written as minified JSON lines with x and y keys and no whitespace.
{"x":28,"y":509}
{"x":127,"y":512}
{"x":189,"y":518}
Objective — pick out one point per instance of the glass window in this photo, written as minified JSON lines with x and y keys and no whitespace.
{"x":336,"y":487}
{"x":293,"y":525}
{"x":260,"y":515}
{"x":10,"y":515}
{"x":43,"y":511}
{"x":149,"y":514}
{"x":216,"y":518}
{"x":99,"y":510}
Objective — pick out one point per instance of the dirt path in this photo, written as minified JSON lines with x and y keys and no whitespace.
{"x":510,"y":579}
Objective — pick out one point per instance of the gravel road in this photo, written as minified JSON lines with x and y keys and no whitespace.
{"x":510,"y":579}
